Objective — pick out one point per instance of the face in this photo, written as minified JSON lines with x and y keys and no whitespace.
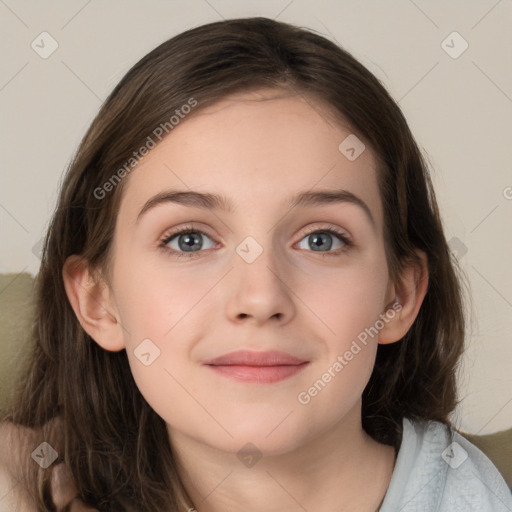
{"x":260,"y":275}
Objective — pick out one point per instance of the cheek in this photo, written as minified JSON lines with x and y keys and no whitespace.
{"x":349,"y":304}
{"x":161,"y":311}
{"x":349,"y":299}
{"x":154,"y":302}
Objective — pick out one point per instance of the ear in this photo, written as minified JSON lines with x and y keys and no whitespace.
{"x":409,"y":292}
{"x":93,"y":304}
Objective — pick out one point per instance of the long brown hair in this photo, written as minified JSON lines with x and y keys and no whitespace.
{"x":116,"y":446}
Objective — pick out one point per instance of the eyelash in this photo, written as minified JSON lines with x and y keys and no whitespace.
{"x":190,"y":229}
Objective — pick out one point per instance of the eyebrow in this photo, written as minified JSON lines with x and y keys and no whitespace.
{"x":209,"y":201}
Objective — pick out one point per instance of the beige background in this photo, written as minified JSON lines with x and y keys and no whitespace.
{"x":458,"y":108}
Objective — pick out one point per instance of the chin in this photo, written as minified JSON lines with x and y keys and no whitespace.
{"x":270,"y":438}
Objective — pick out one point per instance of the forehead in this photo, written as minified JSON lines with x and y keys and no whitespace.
{"x":257,"y":149}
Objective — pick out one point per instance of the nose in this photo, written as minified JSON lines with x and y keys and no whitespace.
{"x":260,"y":291}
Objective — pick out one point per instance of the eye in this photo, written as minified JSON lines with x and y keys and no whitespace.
{"x":189,"y":241}
{"x":185,"y":241}
{"x":320,"y":239}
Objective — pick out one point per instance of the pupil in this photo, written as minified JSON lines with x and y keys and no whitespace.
{"x":319,"y":238}
{"x":187,"y":241}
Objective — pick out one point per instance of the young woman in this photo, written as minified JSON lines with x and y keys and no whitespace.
{"x":246,"y":300}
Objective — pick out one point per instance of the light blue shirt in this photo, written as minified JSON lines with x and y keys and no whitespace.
{"x":438,"y":473}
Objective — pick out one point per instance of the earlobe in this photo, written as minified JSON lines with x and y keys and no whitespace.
{"x":90,"y":298}
{"x":410,"y":293}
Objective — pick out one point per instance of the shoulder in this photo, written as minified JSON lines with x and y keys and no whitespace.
{"x":20,"y":449}
{"x":438,"y":469}
{"x":15,"y":442}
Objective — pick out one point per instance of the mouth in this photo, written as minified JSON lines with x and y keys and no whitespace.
{"x":258,"y":367}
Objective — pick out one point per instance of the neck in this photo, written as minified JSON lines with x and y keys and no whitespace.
{"x":344,"y":470}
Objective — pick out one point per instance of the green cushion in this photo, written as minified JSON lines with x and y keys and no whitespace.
{"x":16,"y":312}
{"x":498,"y":447}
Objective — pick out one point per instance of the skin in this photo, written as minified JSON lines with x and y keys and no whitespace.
{"x":258,"y":149}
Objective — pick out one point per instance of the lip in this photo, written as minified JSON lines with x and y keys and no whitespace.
{"x":251,"y":358}
{"x":260,"y":367}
